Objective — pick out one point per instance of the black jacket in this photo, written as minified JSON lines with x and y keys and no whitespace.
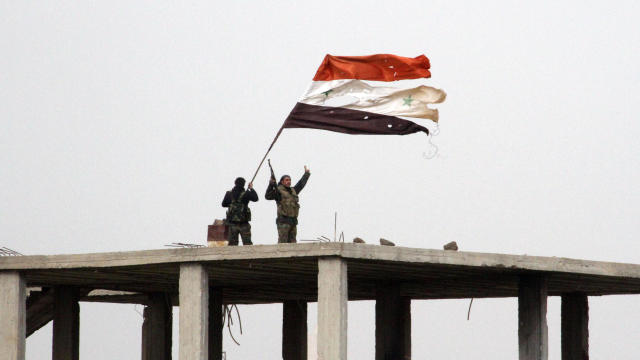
{"x":251,"y":195}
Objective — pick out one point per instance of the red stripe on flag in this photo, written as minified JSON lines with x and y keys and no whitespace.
{"x":380,"y":67}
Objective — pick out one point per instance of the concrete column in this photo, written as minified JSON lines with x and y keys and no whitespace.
{"x":146,"y":331}
{"x":194,"y":312}
{"x":532,"y":317}
{"x":393,"y":324}
{"x":332,"y":309}
{"x":13,"y":315}
{"x":215,"y":323}
{"x":575,"y":326}
{"x":294,"y":330}
{"x":66,"y":324}
{"x":157,"y":328}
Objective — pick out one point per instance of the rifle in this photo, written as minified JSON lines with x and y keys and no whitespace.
{"x":273,"y":176}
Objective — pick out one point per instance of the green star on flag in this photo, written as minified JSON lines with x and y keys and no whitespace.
{"x":326,"y":93}
{"x":407,"y":101}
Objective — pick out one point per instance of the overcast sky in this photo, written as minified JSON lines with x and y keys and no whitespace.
{"x":123,"y":123}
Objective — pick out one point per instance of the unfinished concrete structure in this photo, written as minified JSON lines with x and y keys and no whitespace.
{"x":201,"y":280}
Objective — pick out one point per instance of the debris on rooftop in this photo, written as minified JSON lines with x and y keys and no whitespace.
{"x":184,"y":245}
{"x":217,"y":234}
{"x":451,"y":246}
{"x":5,"y":251}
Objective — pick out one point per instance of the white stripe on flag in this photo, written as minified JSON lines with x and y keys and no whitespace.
{"x":377,"y":99}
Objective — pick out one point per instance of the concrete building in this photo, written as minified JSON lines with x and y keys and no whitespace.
{"x":201,"y":280}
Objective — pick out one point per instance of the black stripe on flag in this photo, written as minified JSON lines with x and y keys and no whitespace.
{"x":349,"y":121}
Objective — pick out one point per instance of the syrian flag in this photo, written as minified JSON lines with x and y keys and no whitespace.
{"x":371,"y":109}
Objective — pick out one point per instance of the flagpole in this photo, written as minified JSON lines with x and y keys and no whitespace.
{"x":265,"y":154}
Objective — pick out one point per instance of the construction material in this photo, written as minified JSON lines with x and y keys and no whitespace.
{"x":184,"y":245}
{"x":451,"y":246}
{"x":5,"y":251}
{"x":218,"y":234}
{"x":227,"y":318}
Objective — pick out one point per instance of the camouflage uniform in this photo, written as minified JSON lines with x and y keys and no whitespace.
{"x":286,"y":233}
{"x":239,"y":222}
{"x":243,"y":229}
{"x":288,"y":206}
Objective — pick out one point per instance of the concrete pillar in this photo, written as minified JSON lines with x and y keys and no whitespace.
{"x":393,"y":323}
{"x":294,"y":330}
{"x":13,"y":315}
{"x":157,"y":328}
{"x":532,"y":317}
{"x":332,"y":309}
{"x":575,"y":326}
{"x":194,"y":312}
{"x":66,"y":324}
{"x":215,"y":323}
{"x":146,"y":331}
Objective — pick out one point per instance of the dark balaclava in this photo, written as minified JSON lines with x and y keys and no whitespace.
{"x":237,"y":190}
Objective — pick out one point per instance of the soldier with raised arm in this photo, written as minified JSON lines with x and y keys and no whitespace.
{"x":287,"y":200}
{"x":239,"y":214}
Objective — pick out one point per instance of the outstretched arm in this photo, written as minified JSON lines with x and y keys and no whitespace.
{"x":303,"y":181}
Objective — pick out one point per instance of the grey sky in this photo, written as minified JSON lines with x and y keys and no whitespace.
{"x":123,"y":123}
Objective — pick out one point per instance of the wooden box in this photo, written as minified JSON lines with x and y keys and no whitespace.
{"x":218,"y":233}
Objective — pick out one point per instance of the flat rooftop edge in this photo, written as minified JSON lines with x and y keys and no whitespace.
{"x":362,"y":252}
